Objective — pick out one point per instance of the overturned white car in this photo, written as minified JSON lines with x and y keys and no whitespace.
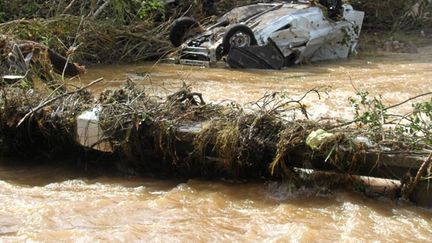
{"x":271,"y":35}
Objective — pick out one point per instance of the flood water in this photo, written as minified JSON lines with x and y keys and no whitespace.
{"x":52,"y":203}
{"x":56,"y":203}
{"x":394,"y":76}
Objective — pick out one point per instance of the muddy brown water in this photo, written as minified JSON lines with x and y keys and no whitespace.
{"x":394,"y":76}
{"x":55,"y":203}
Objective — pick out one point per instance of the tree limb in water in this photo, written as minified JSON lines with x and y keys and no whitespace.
{"x":418,"y":177}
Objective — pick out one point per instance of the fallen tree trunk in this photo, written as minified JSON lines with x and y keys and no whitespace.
{"x":184,"y":136}
{"x":358,"y":159}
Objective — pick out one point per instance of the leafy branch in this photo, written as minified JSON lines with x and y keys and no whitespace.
{"x":413,"y":128}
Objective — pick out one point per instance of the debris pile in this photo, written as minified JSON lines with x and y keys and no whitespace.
{"x":183,"y":136}
{"x":131,"y":31}
{"x":102,"y":32}
{"x":90,"y":41}
{"x":34,"y":63}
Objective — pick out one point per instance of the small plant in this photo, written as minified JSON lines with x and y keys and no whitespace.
{"x":419,"y":122}
{"x":149,"y":7}
{"x":369,"y":111}
{"x":414,"y":127}
{"x":25,"y":84}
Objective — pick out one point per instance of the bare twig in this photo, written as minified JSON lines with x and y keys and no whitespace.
{"x":419,"y":175}
{"x":69,"y":6}
{"x":100,"y":9}
{"x":407,"y":100}
{"x":72,"y":48}
{"x":15,"y":22}
{"x":301,"y":106}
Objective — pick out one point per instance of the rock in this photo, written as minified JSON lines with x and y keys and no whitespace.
{"x":397,"y":46}
{"x":388,"y":46}
{"x":410,"y":48}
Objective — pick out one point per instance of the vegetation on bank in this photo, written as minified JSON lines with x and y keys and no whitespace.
{"x":395,"y":15}
{"x":109,"y":31}
{"x":135,"y":30}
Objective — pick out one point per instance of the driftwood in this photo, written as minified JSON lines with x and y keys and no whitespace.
{"x":421,"y":172}
{"x":365,"y":161}
{"x":24,"y":50}
{"x":62,"y":66}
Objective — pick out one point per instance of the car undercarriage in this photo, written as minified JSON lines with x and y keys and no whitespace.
{"x":270,"y":35}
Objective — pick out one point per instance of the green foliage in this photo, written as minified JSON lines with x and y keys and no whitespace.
{"x":25,"y":84}
{"x":119,"y":8}
{"x":3,"y":17}
{"x":117,"y":11}
{"x":126,"y":11}
{"x":415,"y":127}
{"x":387,"y":14}
{"x":150,"y":7}
{"x":420,"y":121}
{"x":369,"y":111}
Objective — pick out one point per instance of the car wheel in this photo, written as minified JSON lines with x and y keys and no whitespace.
{"x":180,"y":29}
{"x":334,"y":7}
{"x":331,"y":3}
{"x":238,"y":35}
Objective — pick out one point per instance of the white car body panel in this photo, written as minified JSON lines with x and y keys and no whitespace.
{"x":311,"y":35}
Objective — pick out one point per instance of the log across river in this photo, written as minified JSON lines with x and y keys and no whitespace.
{"x":58,"y":202}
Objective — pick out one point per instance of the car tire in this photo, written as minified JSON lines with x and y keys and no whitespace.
{"x":331,"y":3}
{"x":180,"y":28}
{"x":334,"y":7}
{"x":236,"y":30}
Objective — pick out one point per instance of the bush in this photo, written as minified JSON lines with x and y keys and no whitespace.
{"x":394,"y":14}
